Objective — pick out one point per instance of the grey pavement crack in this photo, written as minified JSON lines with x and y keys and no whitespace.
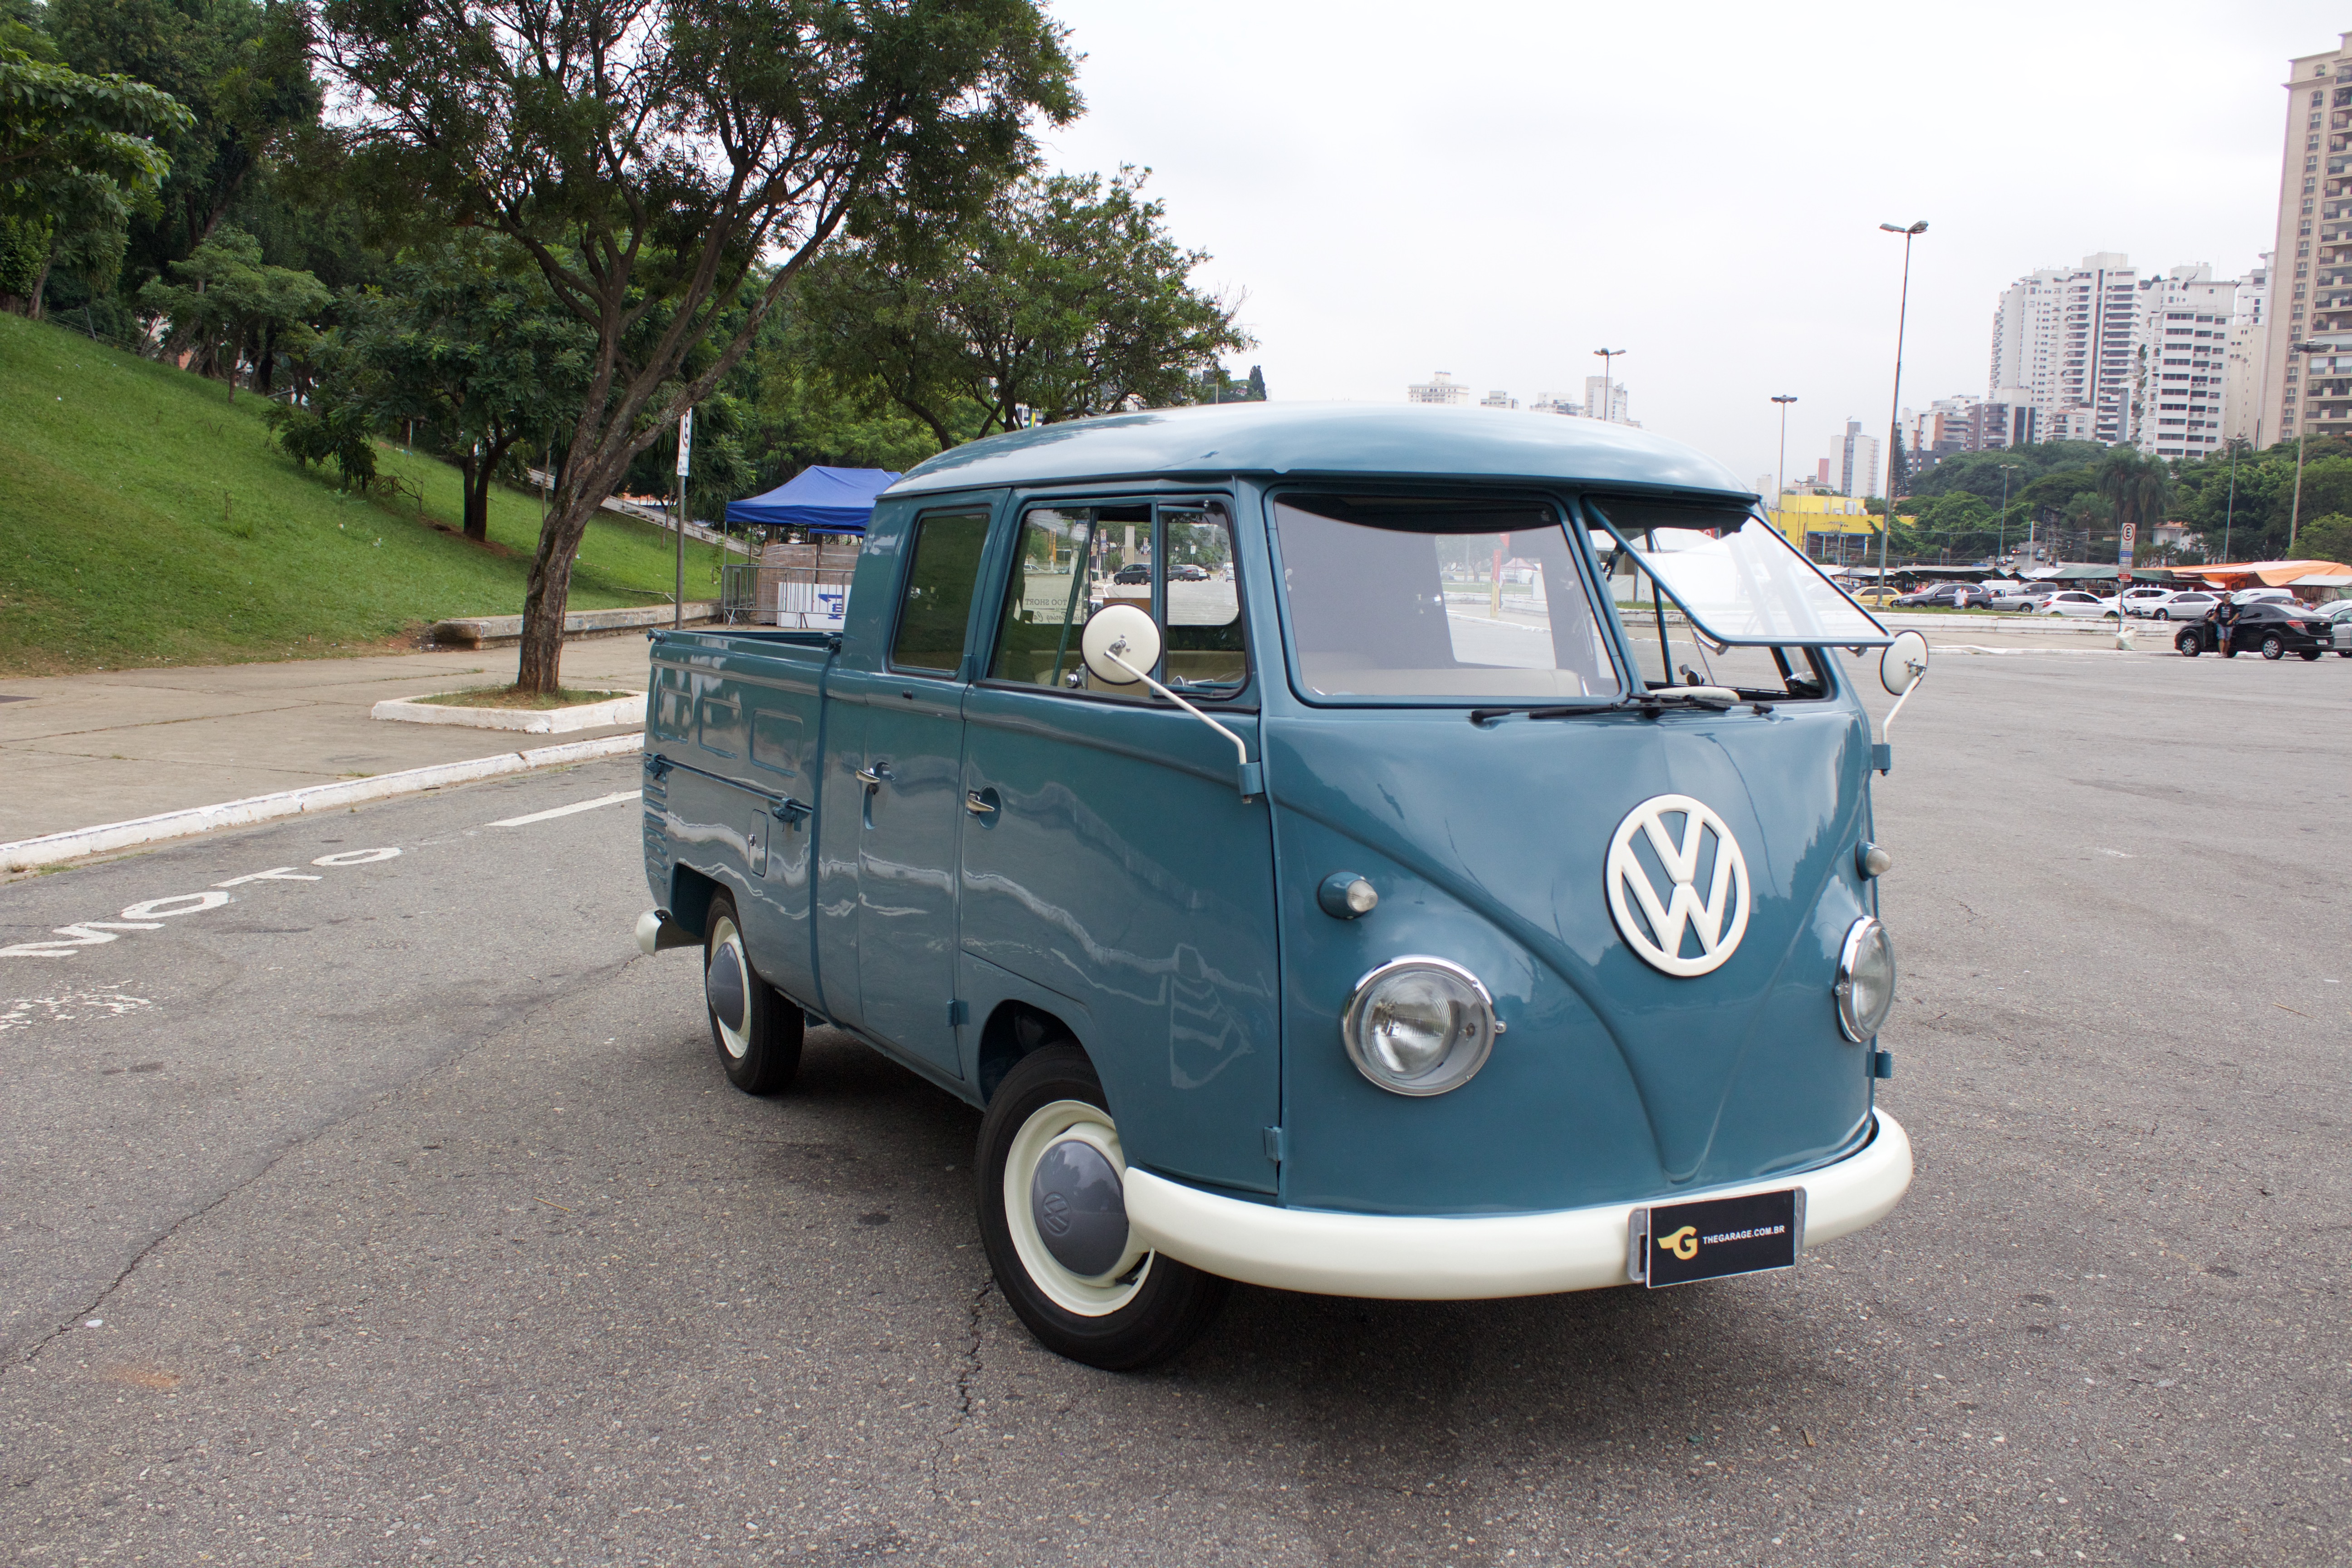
{"x":966,"y":1375}
{"x":455,"y":1058}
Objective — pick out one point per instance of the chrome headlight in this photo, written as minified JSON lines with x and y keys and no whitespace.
{"x":1865,"y":980}
{"x":1419,"y":1026}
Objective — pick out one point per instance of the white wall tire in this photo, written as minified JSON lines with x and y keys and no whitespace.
{"x":1140,"y":1308}
{"x":757,"y":1033}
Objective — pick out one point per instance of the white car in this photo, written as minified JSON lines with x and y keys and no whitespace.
{"x":2074,"y":602}
{"x":2148,"y":600}
{"x":2253,"y":595}
{"x":2189,"y":605}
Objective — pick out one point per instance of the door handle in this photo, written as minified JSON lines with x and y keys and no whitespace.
{"x":872,"y":776}
{"x":978,"y":803}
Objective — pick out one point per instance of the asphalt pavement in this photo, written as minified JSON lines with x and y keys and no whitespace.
{"x":403,"y":1216}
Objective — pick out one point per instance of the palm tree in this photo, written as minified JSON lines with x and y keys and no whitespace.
{"x":2136,"y":486}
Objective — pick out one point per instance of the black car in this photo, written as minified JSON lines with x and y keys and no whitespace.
{"x":1141,"y":572}
{"x":1187,"y":572}
{"x":2271,"y":629}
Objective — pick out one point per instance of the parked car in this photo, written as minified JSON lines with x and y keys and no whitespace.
{"x":1946,"y":596}
{"x":2265,"y":626}
{"x":2260,"y":595}
{"x":2189,"y":605}
{"x":1187,"y":572}
{"x":2148,"y":602}
{"x":1138,"y":572}
{"x":1227,"y":971}
{"x":2021,"y":597}
{"x":2074,"y":602}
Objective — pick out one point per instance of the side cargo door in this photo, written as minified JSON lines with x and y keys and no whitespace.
{"x":1109,"y":856}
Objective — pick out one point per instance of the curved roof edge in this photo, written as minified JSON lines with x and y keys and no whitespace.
{"x":1369,"y":438}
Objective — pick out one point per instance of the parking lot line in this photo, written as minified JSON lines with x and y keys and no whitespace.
{"x":568,"y":810}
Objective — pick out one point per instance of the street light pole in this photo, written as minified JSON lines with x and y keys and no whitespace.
{"x":2230,"y":507}
{"x":2302,"y":425}
{"x":1780,"y":497}
{"x":1608,"y":387}
{"x":1894,"y":408}
{"x":2000,"y":524}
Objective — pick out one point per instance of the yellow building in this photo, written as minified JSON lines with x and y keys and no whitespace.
{"x":1827,"y":527}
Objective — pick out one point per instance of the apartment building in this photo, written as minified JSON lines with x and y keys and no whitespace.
{"x":2180,"y":350}
{"x":2062,"y":339}
{"x":1440,"y":387}
{"x":1861,"y":465}
{"x":2249,"y":353}
{"x":2311,"y":269}
{"x":1604,"y":399}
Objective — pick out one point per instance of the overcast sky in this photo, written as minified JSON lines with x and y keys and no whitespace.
{"x":1496,"y":189}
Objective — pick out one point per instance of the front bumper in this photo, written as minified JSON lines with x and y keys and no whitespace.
{"x":1421,"y":1257}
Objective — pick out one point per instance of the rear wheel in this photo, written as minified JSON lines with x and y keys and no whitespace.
{"x":1053,"y":1217}
{"x":758,"y":1033}
{"x":2189,"y":643}
{"x":2310,"y":655}
{"x":2275,"y":647}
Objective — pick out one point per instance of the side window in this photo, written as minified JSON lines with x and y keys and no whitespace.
{"x":937,"y":605}
{"x":1173,"y":562}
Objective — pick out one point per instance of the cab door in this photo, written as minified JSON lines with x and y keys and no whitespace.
{"x":1108,"y":856}
{"x":898,"y":767}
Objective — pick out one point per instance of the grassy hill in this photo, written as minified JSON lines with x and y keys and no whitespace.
{"x":146,"y":518}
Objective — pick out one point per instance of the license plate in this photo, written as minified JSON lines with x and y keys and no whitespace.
{"x":1717,"y":1238}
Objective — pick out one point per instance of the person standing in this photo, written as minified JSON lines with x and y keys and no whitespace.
{"x":2225,"y":622}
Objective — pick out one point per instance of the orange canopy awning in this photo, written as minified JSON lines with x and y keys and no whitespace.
{"x":2264,"y":574}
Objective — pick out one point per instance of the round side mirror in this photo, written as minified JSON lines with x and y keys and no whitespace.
{"x":1904,"y":661}
{"x":1124,"y":634}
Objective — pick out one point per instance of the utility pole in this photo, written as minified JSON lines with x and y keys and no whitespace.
{"x":2000,"y":524}
{"x":2230,"y":507}
{"x":2302,"y":425}
{"x":1780,"y":497}
{"x":685,"y":456}
{"x":1608,"y":387}
{"x":1894,"y":409}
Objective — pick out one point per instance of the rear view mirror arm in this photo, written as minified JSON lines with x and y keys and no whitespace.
{"x":1250,"y":777}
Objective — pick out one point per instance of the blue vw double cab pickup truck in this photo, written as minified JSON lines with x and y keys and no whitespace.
{"x":1388,"y":852}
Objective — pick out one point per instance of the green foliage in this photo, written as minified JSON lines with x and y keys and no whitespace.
{"x":147,"y":519}
{"x":2327,"y":538}
{"x":59,"y":128}
{"x":650,"y":193}
{"x":227,"y":298}
{"x":238,"y":68}
{"x":1065,"y":297}
{"x":335,"y":432}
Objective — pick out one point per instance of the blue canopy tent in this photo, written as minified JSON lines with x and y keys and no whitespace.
{"x":822,"y":501}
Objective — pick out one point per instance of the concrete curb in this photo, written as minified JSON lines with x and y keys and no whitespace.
{"x":629,"y":709}
{"x":504,"y":631}
{"x":27,"y":853}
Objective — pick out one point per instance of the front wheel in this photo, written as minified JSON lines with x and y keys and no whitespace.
{"x":2275,"y":647}
{"x":2310,"y":655}
{"x":2188,"y":644}
{"x":1053,"y":1218}
{"x":758,"y":1033}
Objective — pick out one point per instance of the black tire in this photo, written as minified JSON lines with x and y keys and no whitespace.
{"x":2275,"y":647}
{"x":1143,"y":1308}
{"x":2310,"y":655}
{"x":760,"y":1046}
{"x":2344,"y":653}
{"x":2188,"y":644}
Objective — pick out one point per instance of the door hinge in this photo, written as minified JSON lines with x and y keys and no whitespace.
{"x":958,"y":1014}
{"x":1882,"y":1064}
{"x":1275,"y":1145}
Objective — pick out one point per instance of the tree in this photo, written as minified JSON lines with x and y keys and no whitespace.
{"x":2327,"y":538}
{"x":75,"y":152}
{"x":238,"y":67}
{"x":650,"y":154}
{"x":2134,"y":486}
{"x":227,"y":303}
{"x":465,"y":339}
{"x":1065,"y":297}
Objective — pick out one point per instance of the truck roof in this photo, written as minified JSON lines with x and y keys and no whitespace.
{"x":1326,"y":438}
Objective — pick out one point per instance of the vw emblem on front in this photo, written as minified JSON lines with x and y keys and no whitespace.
{"x":1659,"y":928}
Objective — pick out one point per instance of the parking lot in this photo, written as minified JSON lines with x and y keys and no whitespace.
{"x":402,"y":1215}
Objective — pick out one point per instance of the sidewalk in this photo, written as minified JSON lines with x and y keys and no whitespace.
{"x":80,"y":749}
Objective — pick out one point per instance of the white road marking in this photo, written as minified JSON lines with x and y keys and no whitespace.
{"x":357,"y":858}
{"x":568,"y":810}
{"x":149,"y":914}
{"x":278,"y":874}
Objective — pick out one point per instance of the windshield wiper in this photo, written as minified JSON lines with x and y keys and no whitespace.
{"x":1714,"y":699}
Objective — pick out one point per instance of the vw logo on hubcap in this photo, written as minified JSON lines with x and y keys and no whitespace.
{"x":1659,"y":929}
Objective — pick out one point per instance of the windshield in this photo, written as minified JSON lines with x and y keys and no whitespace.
{"x":1733,"y":575}
{"x":1446,"y":599}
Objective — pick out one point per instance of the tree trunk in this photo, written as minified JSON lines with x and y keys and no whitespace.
{"x":41,"y":280}
{"x":478,"y":496}
{"x":540,"y":665}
